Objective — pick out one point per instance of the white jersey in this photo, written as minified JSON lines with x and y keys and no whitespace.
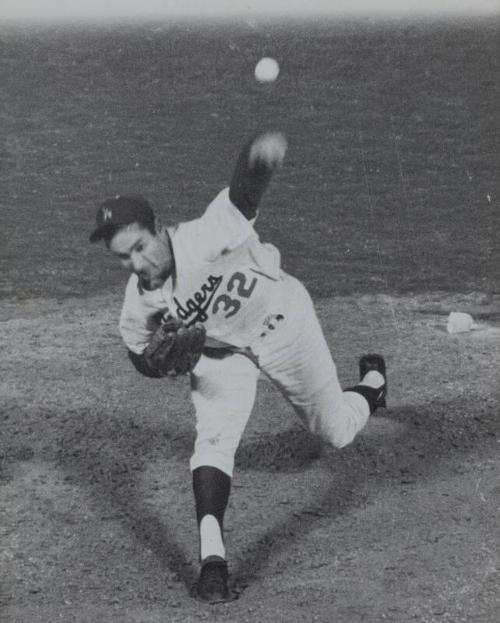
{"x":224,"y":277}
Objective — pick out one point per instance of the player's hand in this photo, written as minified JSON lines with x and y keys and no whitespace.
{"x":268,"y":148}
{"x":175,"y":348}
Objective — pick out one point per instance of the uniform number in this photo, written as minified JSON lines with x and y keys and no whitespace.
{"x":229,"y":305}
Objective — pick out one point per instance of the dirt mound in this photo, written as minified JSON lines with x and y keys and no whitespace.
{"x":96,"y":509}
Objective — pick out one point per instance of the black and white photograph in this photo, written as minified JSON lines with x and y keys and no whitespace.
{"x":250,"y":311}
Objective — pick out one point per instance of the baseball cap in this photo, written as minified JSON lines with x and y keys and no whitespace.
{"x":121,"y":211}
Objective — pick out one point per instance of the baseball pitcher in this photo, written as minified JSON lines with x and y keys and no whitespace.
{"x":209,"y":299}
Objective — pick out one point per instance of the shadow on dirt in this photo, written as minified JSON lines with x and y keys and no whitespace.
{"x":109,"y":457}
{"x":403,"y":447}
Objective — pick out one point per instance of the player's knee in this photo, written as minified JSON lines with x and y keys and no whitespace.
{"x":339,"y":437}
{"x":342,"y":424}
{"x":338,"y":429}
{"x":333,"y":431}
{"x":220,"y":457}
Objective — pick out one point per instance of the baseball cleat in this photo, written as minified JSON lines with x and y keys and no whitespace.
{"x":374,"y":362}
{"x":212,"y":583}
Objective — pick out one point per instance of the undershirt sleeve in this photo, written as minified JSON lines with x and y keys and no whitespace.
{"x":249,"y":183}
{"x":141,"y":365}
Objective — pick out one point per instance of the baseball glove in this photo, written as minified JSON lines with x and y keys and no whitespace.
{"x":175,"y":348}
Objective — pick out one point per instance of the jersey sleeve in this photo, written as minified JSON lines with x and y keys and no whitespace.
{"x":221,"y":229}
{"x":137,"y":321}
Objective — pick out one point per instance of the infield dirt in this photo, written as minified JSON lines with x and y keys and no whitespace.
{"x":96,"y":502}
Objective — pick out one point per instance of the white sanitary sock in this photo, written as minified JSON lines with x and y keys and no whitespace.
{"x":211,"y":543}
{"x":373,"y":378}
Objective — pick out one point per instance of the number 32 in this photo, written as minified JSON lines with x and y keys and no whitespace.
{"x":231,"y":306}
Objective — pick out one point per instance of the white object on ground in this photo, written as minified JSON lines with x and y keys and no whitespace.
{"x":459,"y":322}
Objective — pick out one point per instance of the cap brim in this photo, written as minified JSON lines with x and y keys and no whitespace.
{"x":97,"y":234}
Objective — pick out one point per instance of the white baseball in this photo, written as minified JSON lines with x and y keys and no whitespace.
{"x":267,"y":69}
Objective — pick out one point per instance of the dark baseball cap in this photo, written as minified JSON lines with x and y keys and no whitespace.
{"x":121,"y":211}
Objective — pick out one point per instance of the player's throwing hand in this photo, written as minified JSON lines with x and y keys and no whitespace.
{"x":269,"y":148}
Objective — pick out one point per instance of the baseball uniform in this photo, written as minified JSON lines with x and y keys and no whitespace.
{"x":215,"y":270}
{"x":257,"y":317}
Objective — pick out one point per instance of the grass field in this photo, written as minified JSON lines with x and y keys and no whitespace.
{"x":387,"y":208}
{"x":392,"y":177}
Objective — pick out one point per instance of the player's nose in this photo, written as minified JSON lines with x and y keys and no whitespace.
{"x":137,"y":263}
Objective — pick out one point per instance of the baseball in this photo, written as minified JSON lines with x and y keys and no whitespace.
{"x":267,"y":70}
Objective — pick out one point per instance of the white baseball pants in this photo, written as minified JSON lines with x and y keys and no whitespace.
{"x":296,"y":357}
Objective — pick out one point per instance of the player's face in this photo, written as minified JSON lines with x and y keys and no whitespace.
{"x":147,"y":255}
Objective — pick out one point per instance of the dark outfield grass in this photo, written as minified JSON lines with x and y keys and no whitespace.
{"x":391,"y":182}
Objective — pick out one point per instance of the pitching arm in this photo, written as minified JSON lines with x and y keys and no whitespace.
{"x":254,"y":168}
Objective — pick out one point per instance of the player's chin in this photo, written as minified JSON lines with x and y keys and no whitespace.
{"x":149,"y":284}
{"x":155,"y":281}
